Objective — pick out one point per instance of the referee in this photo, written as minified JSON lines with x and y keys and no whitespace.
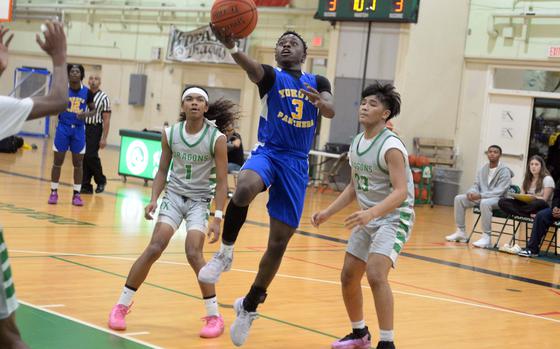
{"x":97,"y":129}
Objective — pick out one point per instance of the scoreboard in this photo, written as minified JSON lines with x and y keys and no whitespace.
{"x":404,"y":11}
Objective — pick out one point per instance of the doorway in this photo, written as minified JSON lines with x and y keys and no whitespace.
{"x":545,"y":133}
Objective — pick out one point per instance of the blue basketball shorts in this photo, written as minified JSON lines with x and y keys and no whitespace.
{"x":71,"y":137}
{"x":286,"y":176}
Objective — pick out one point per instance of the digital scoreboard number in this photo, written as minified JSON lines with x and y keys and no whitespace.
{"x":404,"y":11}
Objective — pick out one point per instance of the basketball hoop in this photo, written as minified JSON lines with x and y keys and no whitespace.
{"x":6,"y":7}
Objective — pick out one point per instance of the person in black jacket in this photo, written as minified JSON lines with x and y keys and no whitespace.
{"x":543,"y":220}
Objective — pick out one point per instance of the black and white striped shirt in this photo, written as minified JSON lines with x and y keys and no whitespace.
{"x":102,"y":105}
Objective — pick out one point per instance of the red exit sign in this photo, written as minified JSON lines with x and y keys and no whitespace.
{"x":554,"y":52}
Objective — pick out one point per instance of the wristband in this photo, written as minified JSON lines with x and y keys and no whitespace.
{"x":234,"y":49}
{"x":218,"y":214}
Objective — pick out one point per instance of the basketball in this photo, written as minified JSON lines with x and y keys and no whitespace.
{"x":236,"y":17}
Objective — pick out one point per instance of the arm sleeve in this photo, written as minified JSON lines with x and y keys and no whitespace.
{"x":267,"y":81}
{"x":106,"y":108}
{"x":323,"y":84}
{"x":548,"y":182}
{"x":475,"y":188}
{"x":13,"y":113}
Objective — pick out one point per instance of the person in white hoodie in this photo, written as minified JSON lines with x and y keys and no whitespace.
{"x":492,"y":183}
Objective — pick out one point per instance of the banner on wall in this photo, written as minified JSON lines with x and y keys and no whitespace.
{"x":6,"y":10}
{"x":199,"y":45}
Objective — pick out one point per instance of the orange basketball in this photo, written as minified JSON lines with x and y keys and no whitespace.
{"x":237,"y":17}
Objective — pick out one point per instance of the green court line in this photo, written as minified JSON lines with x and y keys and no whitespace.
{"x":45,"y":330}
{"x":195,"y":297}
{"x":69,"y":254}
{"x":42,"y":216}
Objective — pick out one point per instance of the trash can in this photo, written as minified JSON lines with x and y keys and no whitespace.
{"x":447,"y":174}
{"x":445,"y":192}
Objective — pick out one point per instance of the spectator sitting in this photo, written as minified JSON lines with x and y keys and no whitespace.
{"x":538,"y":183}
{"x":492,"y":182}
{"x":543,"y":220}
{"x":236,"y":157}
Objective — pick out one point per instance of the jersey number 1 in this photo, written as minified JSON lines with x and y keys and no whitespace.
{"x":188,"y":172}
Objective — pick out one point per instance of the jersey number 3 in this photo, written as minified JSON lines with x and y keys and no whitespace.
{"x":299,"y":109}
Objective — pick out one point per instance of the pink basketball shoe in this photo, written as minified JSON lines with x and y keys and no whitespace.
{"x":214,"y":326}
{"x":116,"y":318}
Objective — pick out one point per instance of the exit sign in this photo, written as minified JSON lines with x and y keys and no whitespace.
{"x":554,"y":52}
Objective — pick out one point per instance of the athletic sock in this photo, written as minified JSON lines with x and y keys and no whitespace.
{"x":54,"y":186}
{"x":358,"y":325}
{"x":77,"y":188}
{"x":211,"y":305}
{"x":126,"y":295}
{"x":386,"y":335}
{"x":227,"y":249}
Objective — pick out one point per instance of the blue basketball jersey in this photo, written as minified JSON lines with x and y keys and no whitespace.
{"x":288,"y":119}
{"x":77,"y":103}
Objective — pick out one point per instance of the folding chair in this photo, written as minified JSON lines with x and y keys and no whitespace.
{"x":329,"y":175}
{"x":553,"y":241}
{"x":498,"y":217}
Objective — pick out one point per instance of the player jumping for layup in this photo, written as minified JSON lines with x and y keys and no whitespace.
{"x":292,"y":101}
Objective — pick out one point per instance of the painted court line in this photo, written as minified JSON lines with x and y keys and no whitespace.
{"x":137,"y":333}
{"x":287,"y":276}
{"x":91,"y":325}
{"x":50,"y":306}
{"x":334,"y":239}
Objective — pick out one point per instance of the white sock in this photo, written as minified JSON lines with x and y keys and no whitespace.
{"x":386,"y":335}
{"x":228,"y":249}
{"x":126,"y":296}
{"x":54,"y":186}
{"x":211,"y":305}
{"x":358,"y":325}
{"x":77,"y":187}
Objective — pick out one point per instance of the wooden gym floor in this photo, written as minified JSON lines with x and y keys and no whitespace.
{"x":70,"y":263}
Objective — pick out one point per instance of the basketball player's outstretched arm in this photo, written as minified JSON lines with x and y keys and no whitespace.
{"x":254,"y":69}
{"x":57,"y":99}
{"x":161,"y":177}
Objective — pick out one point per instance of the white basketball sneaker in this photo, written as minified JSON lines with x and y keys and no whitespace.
{"x":459,"y":236}
{"x":484,"y":242}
